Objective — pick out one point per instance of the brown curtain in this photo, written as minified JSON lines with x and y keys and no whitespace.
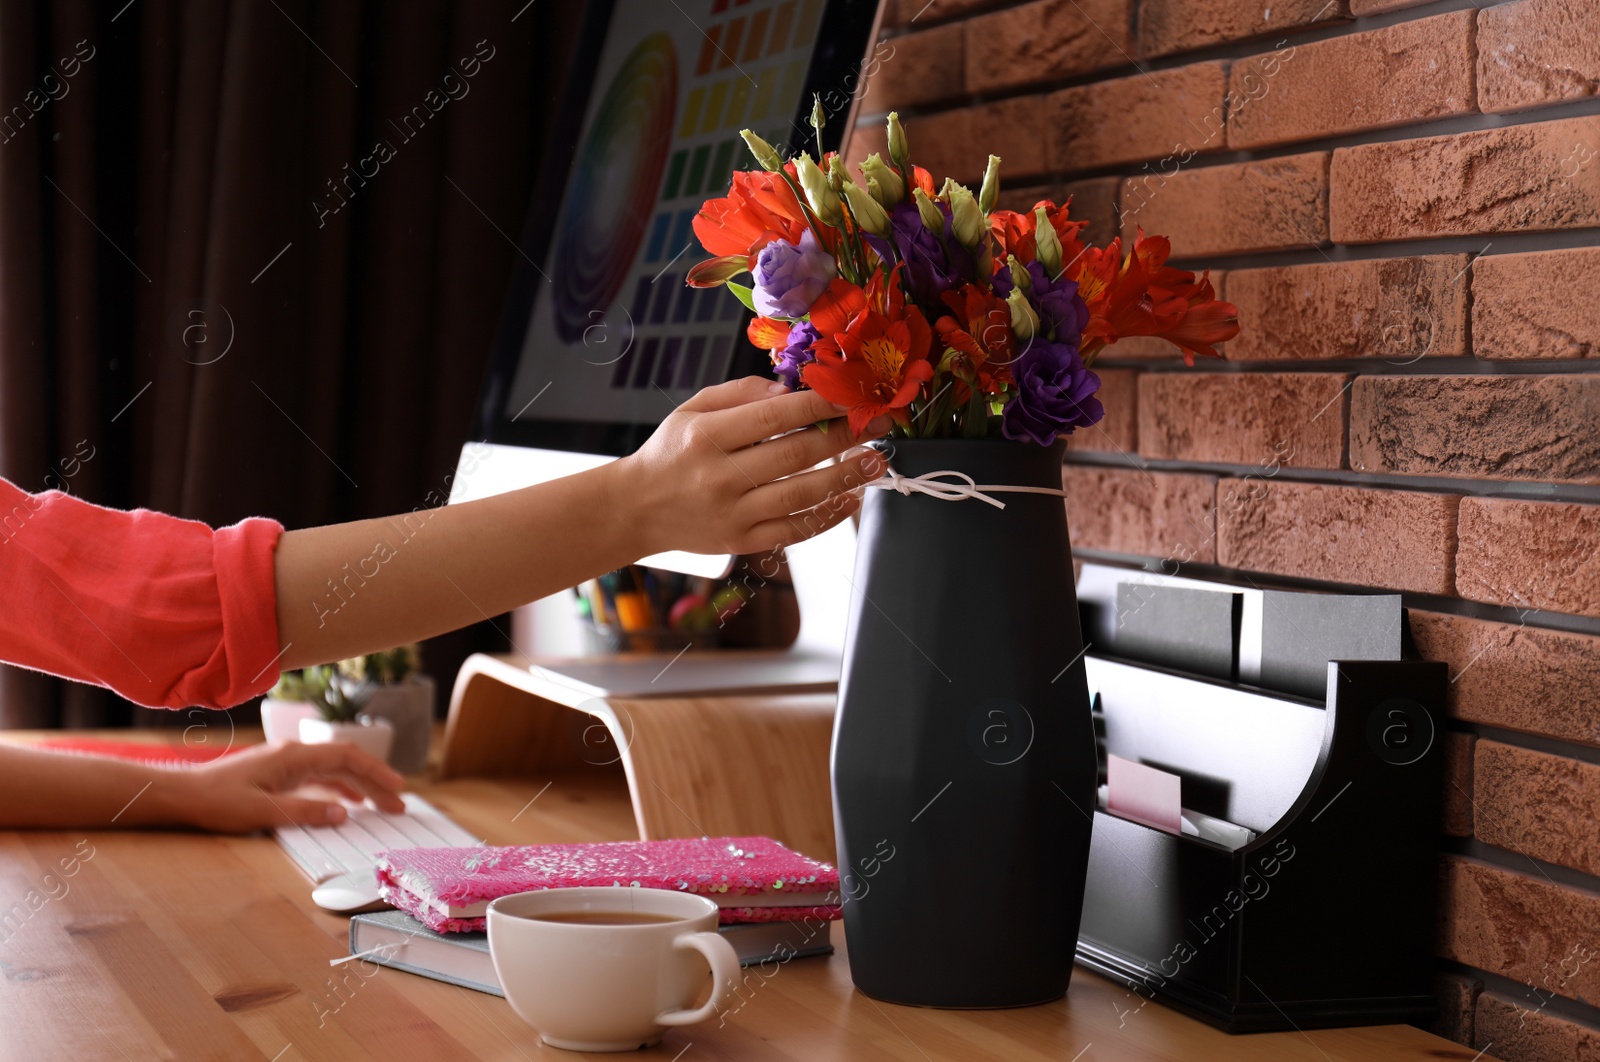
{"x":218,"y":296}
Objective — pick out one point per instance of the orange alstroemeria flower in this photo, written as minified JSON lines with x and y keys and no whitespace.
{"x":875,"y":366}
{"x":1013,"y":232}
{"x":837,"y":306}
{"x":1140,"y":295}
{"x":979,"y":331}
{"x":768,"y":334}
{"x":760,"y":207}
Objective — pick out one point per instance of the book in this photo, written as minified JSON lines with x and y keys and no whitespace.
{"x":396,"y":940}
{"x":752,"y":879}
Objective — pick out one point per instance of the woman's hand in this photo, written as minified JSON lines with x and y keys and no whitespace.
{"x":729,"y":471}
{"x":248,"y":790}
{"x":726,"y":472}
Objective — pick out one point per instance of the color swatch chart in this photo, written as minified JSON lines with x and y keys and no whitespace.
{"x":615,"y":325}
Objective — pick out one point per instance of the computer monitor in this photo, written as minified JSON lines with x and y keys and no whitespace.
{"x":601,"y":338}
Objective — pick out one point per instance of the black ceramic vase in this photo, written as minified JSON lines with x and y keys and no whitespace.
{"x":963,"y":750}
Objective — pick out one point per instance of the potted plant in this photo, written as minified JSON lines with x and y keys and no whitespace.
{"x":339,"y":703}
{"x":285,"y":705}
{"x":973,"y":330}
{"x":396,"y":691}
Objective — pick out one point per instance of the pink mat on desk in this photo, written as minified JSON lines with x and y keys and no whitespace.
{"x":141,"y":751}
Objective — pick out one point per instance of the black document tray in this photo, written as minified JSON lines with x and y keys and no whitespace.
{"x":1327,"y":917}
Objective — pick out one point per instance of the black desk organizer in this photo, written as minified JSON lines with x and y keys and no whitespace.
{"x":1326,"y":918}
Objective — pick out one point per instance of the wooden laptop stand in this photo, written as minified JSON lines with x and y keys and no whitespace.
{"x":695,"y":766}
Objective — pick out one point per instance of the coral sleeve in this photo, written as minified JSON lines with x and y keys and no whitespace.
{"x":166,"y":612}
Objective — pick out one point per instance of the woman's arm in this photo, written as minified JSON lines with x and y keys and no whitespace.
{"x":234,"y":794}
{"x":169,"y":612}
{"x":700,"y":483}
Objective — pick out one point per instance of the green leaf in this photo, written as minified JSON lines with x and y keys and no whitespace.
{"x":977,"y":419}
{"x":744,"y":295}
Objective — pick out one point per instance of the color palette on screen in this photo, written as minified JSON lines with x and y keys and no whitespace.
{"x":748,"y":72}
{"x":614,"y":182}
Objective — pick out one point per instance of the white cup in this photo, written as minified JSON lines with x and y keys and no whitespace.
{"x":589,"y":987}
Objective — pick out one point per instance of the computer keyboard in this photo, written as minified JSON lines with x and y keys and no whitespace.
{"x":324,"y":852}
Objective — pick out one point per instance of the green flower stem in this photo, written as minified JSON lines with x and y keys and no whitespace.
{"x":805,"y":208}
{"x":858,"y":250}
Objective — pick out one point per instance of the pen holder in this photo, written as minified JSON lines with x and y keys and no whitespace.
{"x":605,"y":638}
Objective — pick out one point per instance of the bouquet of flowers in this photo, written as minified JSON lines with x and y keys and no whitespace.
{"x":956,"y":319}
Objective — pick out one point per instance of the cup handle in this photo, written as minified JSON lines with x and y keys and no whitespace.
{"x":724,"y":962}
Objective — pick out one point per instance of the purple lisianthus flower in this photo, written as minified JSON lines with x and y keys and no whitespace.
{"x":1055,"y":394}
{"x":933,"y":265}
{"x":788,"y":362}
{"x":788,"y":278}
{"x":1062,"y":312}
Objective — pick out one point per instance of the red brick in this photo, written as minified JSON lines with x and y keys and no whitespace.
{"x":1094,"y":200}
{"x":1010,"y":129}
{"x":1361,"y":8}
{"x":927,"y":12}
{"x":1022,"y":200}
{"x":1540,"y":805}
{"x":1487,"y":427}
{"x":1456,"y":805}
{"x":1530,"y":554}
{"x":958,"y":143}
{"x":1144,"y":348}
{"x":1458,"y":998}
{"x":1514,"y":676}
{"x":1522,"y":1030}
{"x":915,"y":68}
{"x":1118,"y":431}
{"x":1520,"y":926}
{"x":1266,"y":419}
{"x":1397,"y":540}
{"x":1537,"y":305}
{"x":942,"y":144}
{"x":1145,"y":116}
{"x":1268,"y":205}
{"x":1410,"y":72}
{"x":1044,"y":40}
{"x":1537,"y":52}
{"x":1169,"y":26}
{"x":1522,"y":178}
{"x":1129,"y":510}
{"x":1395,"y":308}
{"x":866,"y":138}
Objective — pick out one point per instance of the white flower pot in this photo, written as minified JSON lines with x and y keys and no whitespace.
{"x":281,"y":719}
{"x":408,"y":706}
{"x":373,"y":736}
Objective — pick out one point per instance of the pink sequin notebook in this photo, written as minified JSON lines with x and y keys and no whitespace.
{"x":753,"y":879}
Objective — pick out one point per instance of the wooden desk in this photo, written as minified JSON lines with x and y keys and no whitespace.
{"x":174,"y":945}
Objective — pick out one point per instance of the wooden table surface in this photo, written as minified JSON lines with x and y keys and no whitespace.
{"x":185,"y":946}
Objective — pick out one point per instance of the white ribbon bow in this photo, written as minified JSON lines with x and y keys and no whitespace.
{"x":930,"y":484}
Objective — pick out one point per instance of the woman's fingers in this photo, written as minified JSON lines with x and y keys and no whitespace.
{"x":357,"y":773}
{"x":732,"y":393}
{"x":800,"y":450}
{"x":339,"y":784}
{"x":799,"y":493}
{"x":741,"y":426}
{"x":300,"y":811}
{"x":787,"y":530}
{"x":359,"y":785}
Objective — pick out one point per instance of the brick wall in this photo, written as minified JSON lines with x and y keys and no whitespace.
{"x":1403,"y":199}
